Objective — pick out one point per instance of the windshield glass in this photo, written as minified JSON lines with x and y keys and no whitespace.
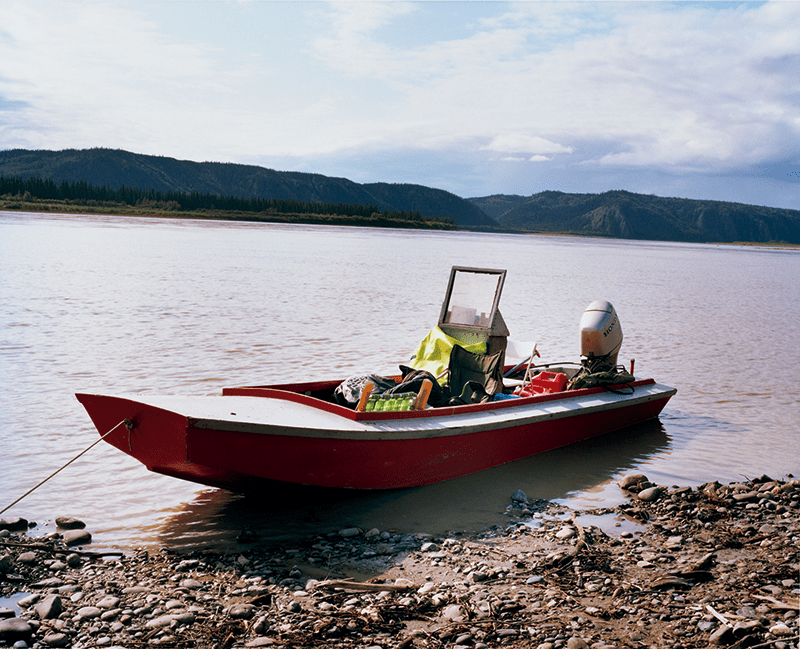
{"x":472,"y":297}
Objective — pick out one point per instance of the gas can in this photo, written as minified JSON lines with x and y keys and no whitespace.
{"x":543,"y":383}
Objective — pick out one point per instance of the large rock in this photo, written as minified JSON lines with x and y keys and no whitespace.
{"x":167,"y":620}
{"x":108,"y":602}
{"x":454,"y":613}
{"x":14,"y":629}
{"x":56,"y":640}
{"x":13,"y":524}
{"x":241,"y":611}
{"x":76,"y":537}
{"x":576,"y":643}
{"x":722,"y":636}
{"x":69,"y":523}
{"x":650,"y":494}
{"x":519,"y":497}
{"x":633,"y":481}
{"x":88,"y":613}
{"x":50,"y":607}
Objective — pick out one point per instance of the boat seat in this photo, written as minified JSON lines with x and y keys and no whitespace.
{"x":466,"y":369}
{"x":519,"y":350}
{"x":519,"y":353}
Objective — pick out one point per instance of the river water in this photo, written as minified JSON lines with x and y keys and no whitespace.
{"x":121,"y":305}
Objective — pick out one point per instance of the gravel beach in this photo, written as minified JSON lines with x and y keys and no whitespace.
{"x":714,"y":565}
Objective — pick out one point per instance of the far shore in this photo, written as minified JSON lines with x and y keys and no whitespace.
{"x":65,"y":207}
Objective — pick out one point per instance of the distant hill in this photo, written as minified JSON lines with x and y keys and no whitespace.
{"x":617,"y":214}
{"x":626,"y":215}
{"x":115,"y":168}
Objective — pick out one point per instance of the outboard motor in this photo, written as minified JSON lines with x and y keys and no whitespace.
{"x":601,"y":337}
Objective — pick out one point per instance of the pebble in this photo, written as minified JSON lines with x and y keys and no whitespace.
{"x":76,"y":537}
{"x":650,"y":494}
{"x":633,"y":481}
{"x":241,"y":611}
{"x":69,"y":523}
{"x":565,"y":533}
{"x":454,"y":613}
{"x":512,"y":586}
{"x":56,"y":639}
{"x":576,"y":643}
{"x":30,"y":600}
{"x":109,"y":601}
{"x":88,"y":613}
{"x":426,"y":588}
{"x":168,"y":620}
{"x":780,"y":630}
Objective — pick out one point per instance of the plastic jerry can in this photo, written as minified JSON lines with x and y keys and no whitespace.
{"x":544,"y":383}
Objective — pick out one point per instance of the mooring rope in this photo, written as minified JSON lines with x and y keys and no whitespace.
{"x":30,"y":491}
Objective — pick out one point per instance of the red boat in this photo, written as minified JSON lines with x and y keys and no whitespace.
{"x":341,"y":434}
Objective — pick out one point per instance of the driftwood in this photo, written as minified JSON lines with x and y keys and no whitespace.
{"x":52,"y":548}
{"x":671,"y":582}
{"x":562,"y":560}
{"x":742,"y":643}
{"x":792,"y":605}
{"x":343,"y":584}
{"x":688,"y":576}
{"x":719,"y":616}
{"x":31,"y":546}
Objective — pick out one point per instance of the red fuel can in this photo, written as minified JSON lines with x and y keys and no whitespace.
{"x":543,"y":383}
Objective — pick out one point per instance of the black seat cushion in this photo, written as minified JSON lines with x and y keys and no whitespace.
{"x":484,"y":369}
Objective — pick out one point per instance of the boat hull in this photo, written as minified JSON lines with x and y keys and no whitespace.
{"x":233,"y":441}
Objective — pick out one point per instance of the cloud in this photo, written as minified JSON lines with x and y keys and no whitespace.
{"x":95,"y":73}
{"x":647,"y":85}
{"x":517,"y":143}
{"x":676,"y":88}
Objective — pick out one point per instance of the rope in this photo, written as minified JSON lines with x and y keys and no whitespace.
{"x":30,"y":491}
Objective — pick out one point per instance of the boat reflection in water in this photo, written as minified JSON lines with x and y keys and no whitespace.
{"x":285,"y":512}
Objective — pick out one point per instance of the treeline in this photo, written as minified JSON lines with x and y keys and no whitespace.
{"x":82,"y":192}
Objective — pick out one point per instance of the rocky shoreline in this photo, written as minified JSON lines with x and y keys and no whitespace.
{"x":716,"y":565}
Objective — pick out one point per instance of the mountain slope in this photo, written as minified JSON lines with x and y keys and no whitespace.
{"x":622,"y":214}
{"x":115,"y":168}
{"x":619,"y":214}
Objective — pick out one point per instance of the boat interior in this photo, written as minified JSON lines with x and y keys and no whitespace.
{"x":468,"y":358}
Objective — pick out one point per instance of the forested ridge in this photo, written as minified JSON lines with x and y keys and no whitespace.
{"x":626,"y":215}
{"x":16,"y":189}
{"x":120,"y":182}
{"x":117,"y":169}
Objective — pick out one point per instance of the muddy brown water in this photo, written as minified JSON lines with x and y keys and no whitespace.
{"x":122,"y":305}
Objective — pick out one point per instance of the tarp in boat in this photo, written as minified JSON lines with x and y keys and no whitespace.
{"x":433,"y":353}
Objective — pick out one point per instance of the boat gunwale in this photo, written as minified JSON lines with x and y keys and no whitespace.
{"x":297,"y":393}
{"x":377,"y":431}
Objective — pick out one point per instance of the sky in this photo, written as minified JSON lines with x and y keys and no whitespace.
{"x":686,"y":99}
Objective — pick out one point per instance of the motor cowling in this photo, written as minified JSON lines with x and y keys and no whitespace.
{"x":601,"y":333}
